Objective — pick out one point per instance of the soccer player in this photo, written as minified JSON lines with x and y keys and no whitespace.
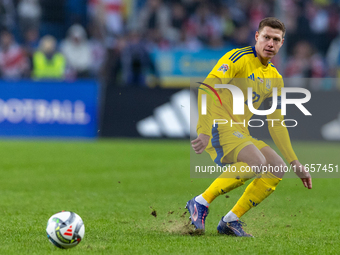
{"x":232,"y":143}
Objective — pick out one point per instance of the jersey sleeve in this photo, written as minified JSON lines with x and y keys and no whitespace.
{"x":278,"y":132}
{"x":223,"y":72}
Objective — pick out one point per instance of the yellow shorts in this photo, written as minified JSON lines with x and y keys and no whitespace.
{"x":225,"y":145}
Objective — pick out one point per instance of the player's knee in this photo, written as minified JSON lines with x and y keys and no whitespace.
{"x":279,"y":162}
{"x":277,"y":167}
{"x":257,"y":163}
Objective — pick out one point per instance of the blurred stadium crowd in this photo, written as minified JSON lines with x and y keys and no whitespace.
{"x":111,"y":40}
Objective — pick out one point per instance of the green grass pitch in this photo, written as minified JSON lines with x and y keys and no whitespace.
{"x":131,"y":195}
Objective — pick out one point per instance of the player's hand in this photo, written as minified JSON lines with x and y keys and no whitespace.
{"x":302,"y":173}
{"x":200,"y":143}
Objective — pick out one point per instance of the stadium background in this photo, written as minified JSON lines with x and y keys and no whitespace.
{"x":122,"y":70}
{"x":139,"y":54}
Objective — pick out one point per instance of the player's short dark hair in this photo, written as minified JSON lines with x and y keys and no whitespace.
{"x":273,"y":23}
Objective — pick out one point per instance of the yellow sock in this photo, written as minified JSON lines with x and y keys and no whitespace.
{"x":255,"y":193}
{"x":225,"y":182}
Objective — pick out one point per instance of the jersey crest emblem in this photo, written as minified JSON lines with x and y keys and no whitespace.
{"x":223,"y":68}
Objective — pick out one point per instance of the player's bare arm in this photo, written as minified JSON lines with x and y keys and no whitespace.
{"x":200,"y":143}
{"x":302,"y":173}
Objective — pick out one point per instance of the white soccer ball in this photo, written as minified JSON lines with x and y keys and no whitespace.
{"x":65,"y":229}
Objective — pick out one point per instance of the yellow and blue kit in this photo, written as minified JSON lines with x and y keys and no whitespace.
{"x":241,"y":68}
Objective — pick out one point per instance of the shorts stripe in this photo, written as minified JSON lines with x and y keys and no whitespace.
{"x":215,"y":142}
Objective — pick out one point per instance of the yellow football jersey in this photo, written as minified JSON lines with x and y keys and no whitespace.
{"x":243,"y":69}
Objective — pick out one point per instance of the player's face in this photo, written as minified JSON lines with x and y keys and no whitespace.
{"x":268,"y":42}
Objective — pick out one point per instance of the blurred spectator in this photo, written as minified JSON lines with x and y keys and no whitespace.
{"x":154,"y":18}
{"x":156,"y":41}
{"x":319,"y":21}
{"x":136,"y":61}
{"x":298,"y":25}
{"x":205,"y":24}
{"x":177,"y":22}
{"x":228,"y":26}
{"x":242,"y":37}
{"x":108,"y":14}
{"x":303,"y":31}
{"x":333,"y":60}
{"x":13,"y":62}
{"x":188,"y":42}
{"x":290,"y":11}
{"x":259,"y":9}
{"x":97,"y":47}
{"x":334,"y":19}
{"x":7,"y":14}
{"x":29,"y":13}
{"x":333,"y":57}
{"x":190,"y":6}
{"x":238,"y":11}
{"x":77,"y":52}
{"x":31,"y":41}
{"x":305,"y":63}
{"x":47,"y":62}
{"x":112,"y":66}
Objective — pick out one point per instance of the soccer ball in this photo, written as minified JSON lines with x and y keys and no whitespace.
{"x":65,"y":229}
